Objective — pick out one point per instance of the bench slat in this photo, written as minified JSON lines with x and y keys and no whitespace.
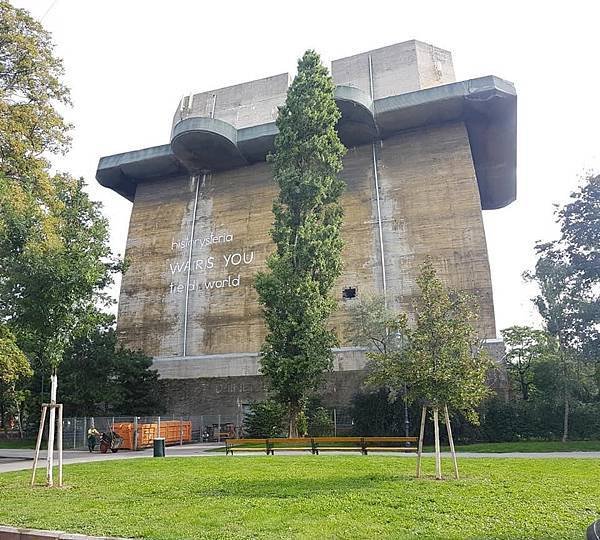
{"x":298,"y":440}
{"x":340,"y":448}
{"x":362,"y":444}
{"x":391,"y":449}
{"x":390,"y":439}
{"x":338,"y":439}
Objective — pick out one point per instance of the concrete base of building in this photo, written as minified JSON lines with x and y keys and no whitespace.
{"x":228,"y":396}
{"x":225,"y":384}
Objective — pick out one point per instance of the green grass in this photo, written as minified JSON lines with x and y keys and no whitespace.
{"x":17,"y":443}
{"x":312,"y":497}
{"x":528,"y":446}
{"x":534,"y":446}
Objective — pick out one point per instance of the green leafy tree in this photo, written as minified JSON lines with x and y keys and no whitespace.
{"x":320,"y":423}
{"x":14,"y":372}
{"x":383,"y":332}
{"x":51,"y":282}
{"x":99,"y":377}
{"x":525,"y":346}
{"x":54,"y":255}
{"x":135,"y":385}
{"x":579,"y":245}
{"x":580,"y":233}
{"x":558,"y":302}
{"x":295,"y":290}
{"x":567,"y":274}
{"x":442,"y":361}
{"x":31,"y":92}
{"x":374,"y":326}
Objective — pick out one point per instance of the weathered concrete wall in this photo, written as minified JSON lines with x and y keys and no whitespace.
{"x":190,"y":388}
{"x":397,"y":69}
{"x":196,"y":311}
{"x":149,"y":318}
{"x":429,"y":204}
{"x":242,"y":105}
{"x":228,"y":395}
{"x":242,"y":364}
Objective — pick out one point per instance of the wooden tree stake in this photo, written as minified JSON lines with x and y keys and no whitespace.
{"x":51,"y":432}
{"x":421,"y":433}
{"x":38,"y":444}
{"x":438,"y":457}
{"x":60,"y":444}
{"x":451,"y":440}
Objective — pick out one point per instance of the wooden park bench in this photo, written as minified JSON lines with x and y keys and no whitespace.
{"x":319,"y":444}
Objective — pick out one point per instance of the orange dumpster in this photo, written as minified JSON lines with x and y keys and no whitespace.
{"x":173,"y":432}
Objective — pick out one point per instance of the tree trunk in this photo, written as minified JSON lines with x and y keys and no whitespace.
{"x":19,"y":420}
{"x":566,"y":397}
{"x":293,"y":422}
{"x":566,"y":420}
{"x":438,"y":455}
{"x":3,"y":421}
{"x":524,"y":387}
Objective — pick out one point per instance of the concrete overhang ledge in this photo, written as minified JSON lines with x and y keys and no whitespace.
{"x":487,"y":106}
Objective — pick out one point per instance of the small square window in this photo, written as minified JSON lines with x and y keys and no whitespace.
{"x":348,"y":293}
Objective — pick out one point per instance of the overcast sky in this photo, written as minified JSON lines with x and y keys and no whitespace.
{"x":129,"y":62}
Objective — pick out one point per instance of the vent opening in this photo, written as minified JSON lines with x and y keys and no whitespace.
{"x":348,"y":293}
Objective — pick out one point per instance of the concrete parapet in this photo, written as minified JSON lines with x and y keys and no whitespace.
{"x":396,"y":69}
{"x":242,"y":105}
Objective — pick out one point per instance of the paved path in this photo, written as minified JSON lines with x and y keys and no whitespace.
{"x":19,"y":459}
{"x":15,"y":460}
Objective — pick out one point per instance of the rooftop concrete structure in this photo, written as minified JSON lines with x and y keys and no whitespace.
{"x":426,"y":155}
{"x":380,"y":93}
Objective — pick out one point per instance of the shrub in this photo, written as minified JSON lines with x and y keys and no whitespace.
{"x":266,"y":419}
{"x":320,"y":423}
{"x":378,"y":414}
{"x":500,"y":421}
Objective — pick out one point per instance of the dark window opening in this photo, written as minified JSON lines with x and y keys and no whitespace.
{"x":348,"y":293}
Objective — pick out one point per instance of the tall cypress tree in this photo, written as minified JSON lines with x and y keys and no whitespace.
{"x":295,"y":290}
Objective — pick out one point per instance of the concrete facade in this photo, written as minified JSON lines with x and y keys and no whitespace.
{"x":202,"y":211}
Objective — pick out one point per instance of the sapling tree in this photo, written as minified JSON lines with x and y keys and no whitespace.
{"x":442,"y":361}
{"x":295,"y":289}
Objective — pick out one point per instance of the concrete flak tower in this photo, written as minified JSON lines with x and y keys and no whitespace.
{"x":426,"y":155}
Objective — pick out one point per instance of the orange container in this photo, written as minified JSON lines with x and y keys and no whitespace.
{"x":173,"y":432}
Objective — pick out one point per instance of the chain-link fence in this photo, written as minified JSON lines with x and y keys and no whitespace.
{"x":138,"y":432}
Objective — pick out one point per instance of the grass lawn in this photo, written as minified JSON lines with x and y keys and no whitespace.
{"x":18,"y":443}
{"x":308,"y":496}
{"x":528,"y":446}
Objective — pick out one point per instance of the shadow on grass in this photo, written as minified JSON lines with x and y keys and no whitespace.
{"x":300,"y":488}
